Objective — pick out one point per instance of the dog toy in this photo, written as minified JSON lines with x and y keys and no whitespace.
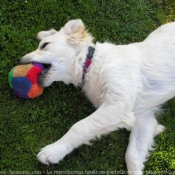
{"x":23,"y":79}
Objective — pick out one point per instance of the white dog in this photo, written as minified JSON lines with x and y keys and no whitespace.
{"x":126,"y":83}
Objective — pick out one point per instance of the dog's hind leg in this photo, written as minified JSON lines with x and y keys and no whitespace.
{"x":104,"y":120}
{"x":141,"y":142}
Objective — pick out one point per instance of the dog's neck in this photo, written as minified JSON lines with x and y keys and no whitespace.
{"x":87,"y":63}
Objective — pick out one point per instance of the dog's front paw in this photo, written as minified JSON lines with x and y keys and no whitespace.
{"x":53,"y":153}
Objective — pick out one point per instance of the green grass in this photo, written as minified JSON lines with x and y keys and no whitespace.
{"x":28,"y":125}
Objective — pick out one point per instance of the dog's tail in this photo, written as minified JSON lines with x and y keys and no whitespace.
{"x":159,"y":129}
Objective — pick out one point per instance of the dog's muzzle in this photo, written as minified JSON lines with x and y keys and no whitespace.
{"x":42,"y":76}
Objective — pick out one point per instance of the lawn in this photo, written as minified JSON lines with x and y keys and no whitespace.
{"x":28,"y":125}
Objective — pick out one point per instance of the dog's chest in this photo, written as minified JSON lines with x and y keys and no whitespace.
{"x":94,"y":95}
{"x":93,"y":90}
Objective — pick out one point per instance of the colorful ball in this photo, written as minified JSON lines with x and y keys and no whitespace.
{"x":23,"y":79}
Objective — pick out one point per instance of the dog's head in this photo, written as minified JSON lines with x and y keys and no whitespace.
{"x":62,"y":53}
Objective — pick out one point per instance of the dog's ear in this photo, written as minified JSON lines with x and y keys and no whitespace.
{"x":74,"y":26}
{"x":44,"y":34}
{"x":76,"y":32}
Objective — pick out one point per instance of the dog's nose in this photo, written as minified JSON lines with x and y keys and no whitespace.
{"x":20,"y":60}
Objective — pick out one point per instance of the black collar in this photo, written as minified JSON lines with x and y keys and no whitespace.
{"x":88,"y":61}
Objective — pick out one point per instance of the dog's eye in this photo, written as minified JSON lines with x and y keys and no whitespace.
{"x":44,"y":45}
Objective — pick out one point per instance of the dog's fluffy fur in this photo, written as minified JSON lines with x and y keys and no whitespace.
{"x":126,"y":83}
